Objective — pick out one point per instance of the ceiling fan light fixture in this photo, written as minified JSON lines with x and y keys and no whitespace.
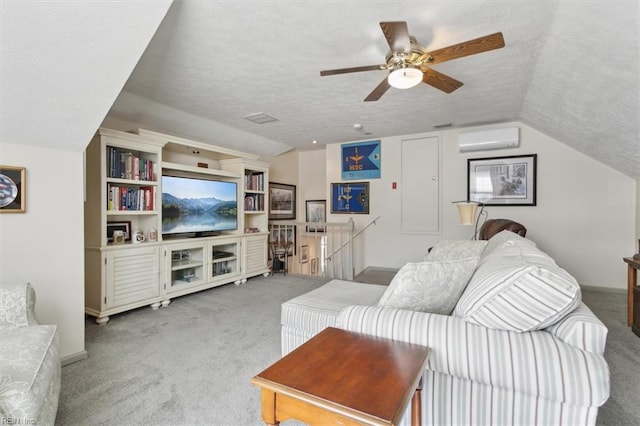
{"x":405,"y":78}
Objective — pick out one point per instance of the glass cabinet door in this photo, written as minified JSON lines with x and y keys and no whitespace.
{"x":186,"y":267}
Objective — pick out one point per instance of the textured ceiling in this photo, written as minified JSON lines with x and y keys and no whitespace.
{"x":569,"y":69}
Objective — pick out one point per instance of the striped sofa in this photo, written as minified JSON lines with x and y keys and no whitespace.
{"x":520,"y":348}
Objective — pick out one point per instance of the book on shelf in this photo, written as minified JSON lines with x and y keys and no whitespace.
{"x":123,"y":164}
{"x":254,"y":202}
{"x":122,"y":198}
{"x":254,"y":181}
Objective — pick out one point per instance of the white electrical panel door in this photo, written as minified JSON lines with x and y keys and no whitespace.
{"x":420,"y":185}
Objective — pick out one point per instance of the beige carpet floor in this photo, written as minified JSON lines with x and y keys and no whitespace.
{"x":191,"y":362}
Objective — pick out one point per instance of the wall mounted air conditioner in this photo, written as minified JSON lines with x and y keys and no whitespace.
{"x":489,"y":139}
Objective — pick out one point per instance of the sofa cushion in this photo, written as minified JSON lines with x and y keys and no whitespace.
{"x":518,"y":288}
{"x":306,"y":315}
{"x":582,"y":329}
{"x":429,"y":286}
{"x":505,"y":239}
{"x":455,"y":249}
{"x":29,"y":364}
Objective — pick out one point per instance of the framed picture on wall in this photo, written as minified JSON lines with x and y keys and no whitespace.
{"x":361,"y":160}
{"x":502,"y":181}
{"x":12,"y":189}
{"x":316,"y":211}
{"x":282,"y":201}
{"x":352,"y":197}
{"x":304,"y":254}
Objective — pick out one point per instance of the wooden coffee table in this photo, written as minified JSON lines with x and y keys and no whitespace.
{"x":342,"y":377}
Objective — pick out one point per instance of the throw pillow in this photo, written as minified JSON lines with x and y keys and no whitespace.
{"x":518,"y":292}
{"x":456,"y":249}
{"x":429,"y":286}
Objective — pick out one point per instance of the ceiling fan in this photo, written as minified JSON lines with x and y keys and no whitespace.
{"x":408,"y":62}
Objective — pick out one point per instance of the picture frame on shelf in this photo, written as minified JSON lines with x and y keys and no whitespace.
{"x":502,"y":181}
{"x":304,"y":254}
{"x":12,"y":189}
{"x":316,"y":211}
{"x":351,"y":197}
{"x":282,"y":201}
{"x":122,"y":225}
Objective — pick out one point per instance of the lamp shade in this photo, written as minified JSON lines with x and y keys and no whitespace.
{"x":467,"y":212}
{"x":405,"y":78}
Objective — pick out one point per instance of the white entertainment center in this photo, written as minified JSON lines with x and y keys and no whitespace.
{"x":128,"y":196}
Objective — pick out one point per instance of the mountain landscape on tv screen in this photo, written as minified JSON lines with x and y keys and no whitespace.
{"x":197,"y":214}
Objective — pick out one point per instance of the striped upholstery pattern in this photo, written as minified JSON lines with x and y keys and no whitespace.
{"x":305,"y":316}
{"x":481,"y":376}
{"x":581,"y":328}
{"x":533,"y":365}
{"x":518,"y":288}
{"x":520,"y":350}
{"x":506,"y":239}
{"x":448,"y":400}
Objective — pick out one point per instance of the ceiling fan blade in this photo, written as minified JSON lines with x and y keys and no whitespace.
{"x":470,"y":47}
{"x":353,"y":69}
{"x":397,"y":35}
{"x":378,"y":91}
{"x":439,"y":80}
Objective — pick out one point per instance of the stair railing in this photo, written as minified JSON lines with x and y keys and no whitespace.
{"x":308,"y":244}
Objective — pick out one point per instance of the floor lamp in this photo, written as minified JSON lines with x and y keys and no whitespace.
{"x":467,"y":212}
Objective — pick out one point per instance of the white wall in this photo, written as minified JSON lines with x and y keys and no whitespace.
{"x":585,"y":214}
{"x":284,"y":168}
{"x":313,"y":177}
{"x":45,"y":245}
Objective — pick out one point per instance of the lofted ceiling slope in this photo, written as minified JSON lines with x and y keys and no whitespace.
{"x":569,"y":69}
{"x":63,"y":63}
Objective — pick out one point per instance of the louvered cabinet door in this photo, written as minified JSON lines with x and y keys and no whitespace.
{"x":132,"y":276}
{"x":255,"y":254}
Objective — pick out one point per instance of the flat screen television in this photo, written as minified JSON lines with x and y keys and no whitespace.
{"x":198,"y":206}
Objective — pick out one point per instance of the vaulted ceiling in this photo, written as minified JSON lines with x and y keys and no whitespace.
{"x":569,"y":69}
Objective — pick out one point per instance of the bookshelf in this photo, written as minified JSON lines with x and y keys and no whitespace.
{"x":124,"y":189}
{"x":255,"y":217}
{"x":122,"y":183}
{"x":256,"y":177}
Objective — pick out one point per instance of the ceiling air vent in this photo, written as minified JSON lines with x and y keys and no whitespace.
{"x":489,"y":139}
{"x":260,"y":118}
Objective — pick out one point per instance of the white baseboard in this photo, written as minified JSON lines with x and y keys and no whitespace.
{"x":70,"y":359}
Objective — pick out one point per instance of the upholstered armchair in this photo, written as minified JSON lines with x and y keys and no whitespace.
{"x":494,"y":226}
{"x":29,"y":360}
